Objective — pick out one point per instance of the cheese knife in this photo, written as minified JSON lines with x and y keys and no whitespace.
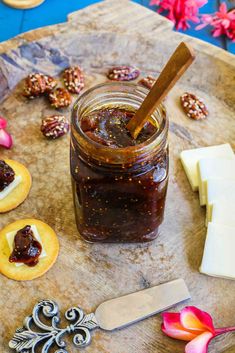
{"x":42,"y":329}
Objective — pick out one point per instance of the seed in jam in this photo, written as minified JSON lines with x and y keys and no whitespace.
{"x":26,"y":248}
{"x":7,"y":175}
{"x":107,"y":127}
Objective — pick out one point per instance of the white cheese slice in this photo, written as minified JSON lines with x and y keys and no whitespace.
{"x":10,"y":187}
{"x":213,"y":168}
{"x":218,"y":258}
{"x":219,"y":190}
{"x":223,"y":212}
{"x":10,"y":239}
{"x":190,"y":158}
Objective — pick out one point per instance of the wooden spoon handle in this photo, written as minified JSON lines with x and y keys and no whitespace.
{"x":171,"y":73}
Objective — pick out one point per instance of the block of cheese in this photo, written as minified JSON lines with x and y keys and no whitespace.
{"x":10,"y":187}
{"x":218,"y":258}
{"x":10,"y":239}
{"x":213,"y":168}
{"x":218,"y":191}
{"x":223,"y":212}
{"x":190,"y":158}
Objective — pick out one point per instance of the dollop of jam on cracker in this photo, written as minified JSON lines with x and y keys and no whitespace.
{"x":7,"y":175}
{"x":26,"y":248}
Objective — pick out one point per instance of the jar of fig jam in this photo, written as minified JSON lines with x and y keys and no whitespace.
{"x":119,"y":184}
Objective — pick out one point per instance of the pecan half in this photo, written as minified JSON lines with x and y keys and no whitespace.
{"x":193,"y":106}
{"x":54,"y":126}
{"x":147,"y":81}
{"x":51,"y":83}
{"x":123,"y":73}
{"x":60,"y":98}
{"x":37,"y":84}
{"x":73,"y":79}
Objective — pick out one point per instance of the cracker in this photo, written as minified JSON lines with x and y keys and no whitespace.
{"x":23,"y":4}
{"x":20,"y":193}
{"x":25,"y":273}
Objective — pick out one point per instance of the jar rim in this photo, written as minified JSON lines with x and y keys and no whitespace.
{"x":154,"y":140}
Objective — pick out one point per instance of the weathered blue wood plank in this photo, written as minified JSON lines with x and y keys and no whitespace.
{"x":10,"y":22}
{"x":51,"y":12}
{"x":230,"y":46}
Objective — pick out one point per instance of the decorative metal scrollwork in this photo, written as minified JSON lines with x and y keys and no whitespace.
{"x":36,"y":332}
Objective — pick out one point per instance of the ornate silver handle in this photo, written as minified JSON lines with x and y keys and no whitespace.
{"x":36,"y":332}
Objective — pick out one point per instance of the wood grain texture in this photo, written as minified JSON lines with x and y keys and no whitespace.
{"x":86,"y":274}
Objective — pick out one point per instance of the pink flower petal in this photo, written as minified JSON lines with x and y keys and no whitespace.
{"x":171,"y":327}
{"x":231,"y":15}
{"x":154,"y":2}
{"x":201,"y":26}
{"x":199,"y":344}
{"x":202,"y":2}
{"x":225,"y":23}
{"x":195,"y":19}
{"x":194,"y":319}
{"x":5,"y":139}
{"x":3,"y":123}
{"x":223,"y":8}
{"x":217,"y":32}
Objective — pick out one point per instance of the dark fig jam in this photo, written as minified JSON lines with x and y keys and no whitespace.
{"x":26,"y":248}
{"x":7,"y":175}
{"x":119,"y":184}
{"x":107,"y":126}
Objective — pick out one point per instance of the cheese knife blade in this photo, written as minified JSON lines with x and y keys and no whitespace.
{"x":126,"y":310}
{"x":42,"y":329}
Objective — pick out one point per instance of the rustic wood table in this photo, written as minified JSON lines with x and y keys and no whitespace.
{"x":87,"y":274}
{"x":16,"y":21}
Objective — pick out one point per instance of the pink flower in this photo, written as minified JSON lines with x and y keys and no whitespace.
{"x":5,"y":137}
{"x":194,"y":326}
{"x":223,"y":22}
{"x":232,"y":31}
{"x":180,"y":11}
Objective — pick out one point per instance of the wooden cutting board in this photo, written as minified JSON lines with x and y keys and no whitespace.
{"x":106,"y":34}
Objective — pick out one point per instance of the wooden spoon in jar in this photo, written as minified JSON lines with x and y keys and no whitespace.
{"x":178,"y":63}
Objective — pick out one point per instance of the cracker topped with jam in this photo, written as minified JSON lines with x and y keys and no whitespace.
{"x":28,"y":249}
{"x":15,"y":184}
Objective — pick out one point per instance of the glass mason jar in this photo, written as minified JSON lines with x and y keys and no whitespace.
{"x":119,"y":193}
